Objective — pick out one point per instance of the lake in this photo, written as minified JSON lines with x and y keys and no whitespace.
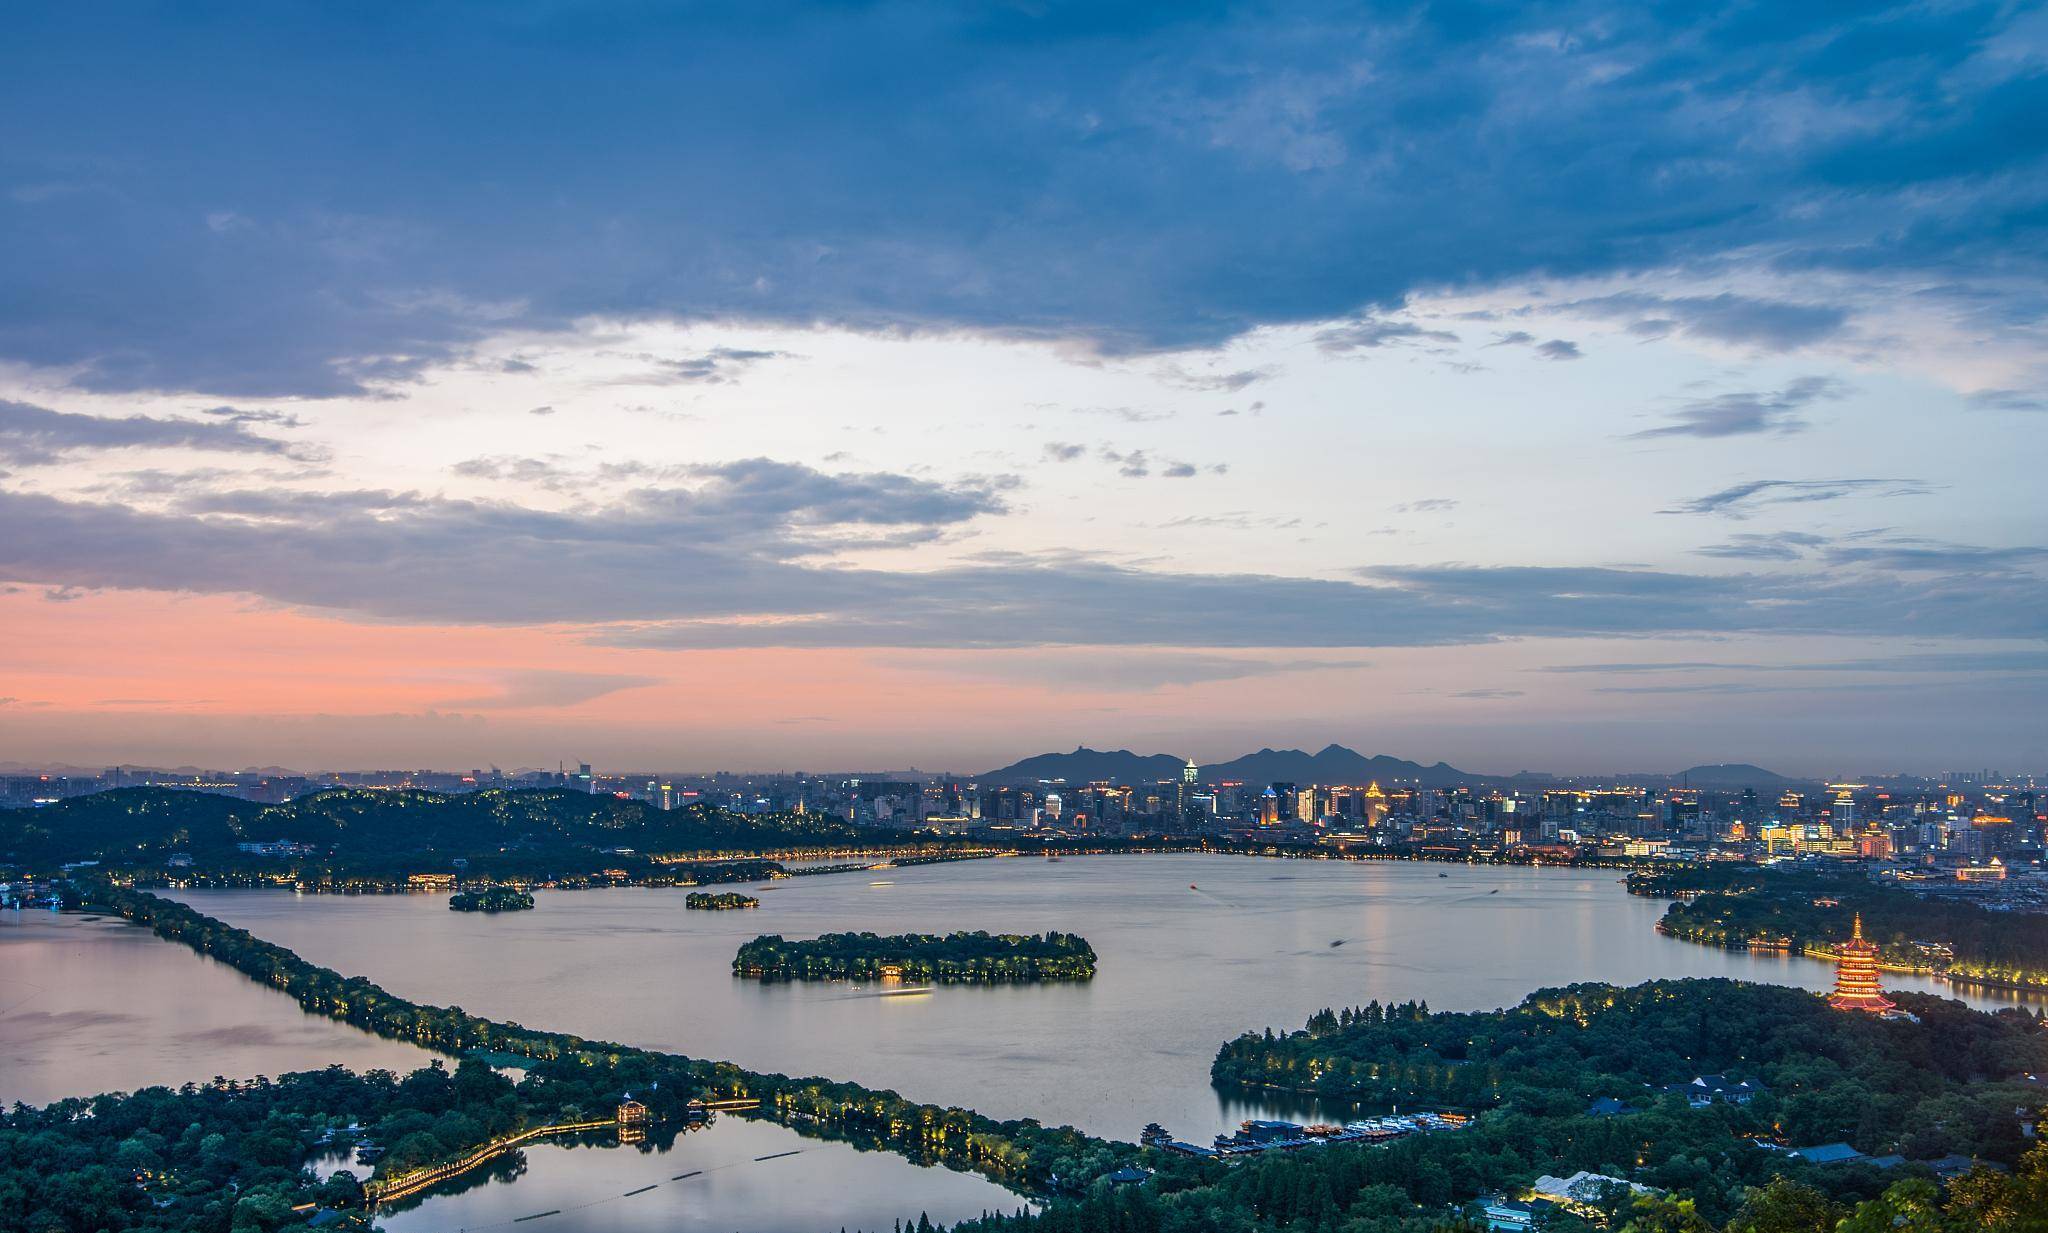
{"x":91,"y":1005}
{"x":809,"y":1186}
{"x":1193,"y":949}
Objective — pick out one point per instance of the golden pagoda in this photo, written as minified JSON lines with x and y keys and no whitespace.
{"x":1856,"y":986}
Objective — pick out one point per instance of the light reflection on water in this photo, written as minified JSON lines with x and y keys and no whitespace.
{"x":709,"y":1178}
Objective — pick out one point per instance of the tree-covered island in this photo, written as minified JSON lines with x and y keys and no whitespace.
{"x":955,"y":958}
{"x":491,"y":899}
{"x":725,"y":901}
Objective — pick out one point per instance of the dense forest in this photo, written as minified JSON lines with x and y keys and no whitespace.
{"x":365,"y":833}
{"x":955,"y":958}
{"x":725,"y":901}
{"x":1813,"y":911}
{"x":1946,"y":1084}
{"x":1406,"y":1188}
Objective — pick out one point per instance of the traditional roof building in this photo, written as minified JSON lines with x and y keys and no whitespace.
{"x":1856,"y":984}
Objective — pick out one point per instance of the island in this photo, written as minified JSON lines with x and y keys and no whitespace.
{"x":491,"y":899}
{"x":704,"y":901}
{"x":955,"y":958}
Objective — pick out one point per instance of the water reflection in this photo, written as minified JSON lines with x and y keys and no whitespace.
{"x":91,"y":1005}
{"x":732,"y":1174}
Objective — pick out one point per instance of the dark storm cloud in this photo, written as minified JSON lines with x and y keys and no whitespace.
{"x":1746,"y":414}
{"x":1193,"y":170}
{"x":32,"y":435}
{"x":744,"y":557}
{"x":1740,"y":500}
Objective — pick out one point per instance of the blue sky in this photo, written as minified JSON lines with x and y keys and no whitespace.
{"x":1594,"y":386}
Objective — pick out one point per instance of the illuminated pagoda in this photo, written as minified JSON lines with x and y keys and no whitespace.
{"x":1856,"y":985}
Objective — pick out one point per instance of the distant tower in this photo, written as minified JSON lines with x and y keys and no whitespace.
{"x":1856,"y":986}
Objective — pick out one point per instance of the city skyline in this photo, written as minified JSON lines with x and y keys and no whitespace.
{"x":1553,"y":389}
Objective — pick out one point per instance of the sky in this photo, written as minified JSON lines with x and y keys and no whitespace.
{"x":1572,"y":387}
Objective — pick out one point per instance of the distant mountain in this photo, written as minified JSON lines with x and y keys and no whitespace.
{"x":1335,"y":764}
{"x":1731,"y":775}
{"x":1085,"y":765}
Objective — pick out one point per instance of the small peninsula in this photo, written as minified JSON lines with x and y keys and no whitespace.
{"x":704,"y":901}
{"x":955,"y":958}
{"x":491,"y":899}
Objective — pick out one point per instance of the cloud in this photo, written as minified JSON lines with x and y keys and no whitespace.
{"x":1122,"y":671}
{"x":1741,"y":500}
{"x":1929,"y":661}
{"x":2010,"y":400}
{"x":1129,"y":415}
{"x":1780,"y":546}
{"x":1767,"y":325}
{"x":752,"y":554}
{"x":241,"y":415}
{"x":718,"y":366}
{"x":1554,"y":349}
{"x":1063,"y":451}
{"x":1132,"y":464}
{"x":1428,"y":505}
{"x":1199,"y":171}
{"x":1372,"y":333}
{"x":32,"y":435}
{"x":1228,"y":382}
{"x":544,"y":688}
{"x":547,"y":410}
{"x":1746,"y":414}
{"x":1488,"y":694}
{"x":1179,"y":470}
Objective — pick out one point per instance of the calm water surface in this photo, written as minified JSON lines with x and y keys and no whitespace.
{"x":1192,"y":951}
{"x":823,"y":1186}
{"x":91,"y":1005}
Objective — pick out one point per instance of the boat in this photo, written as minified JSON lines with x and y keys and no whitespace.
{"x":1443,"y":875}
{"x":1192,"y":886}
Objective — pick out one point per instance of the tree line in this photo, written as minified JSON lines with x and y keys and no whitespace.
{"x":975,"y":957}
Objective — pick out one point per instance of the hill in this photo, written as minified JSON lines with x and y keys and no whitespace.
{"x":1334,"y":764}
{"x":1731,"y":775}
{"x":1085,"y":765}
